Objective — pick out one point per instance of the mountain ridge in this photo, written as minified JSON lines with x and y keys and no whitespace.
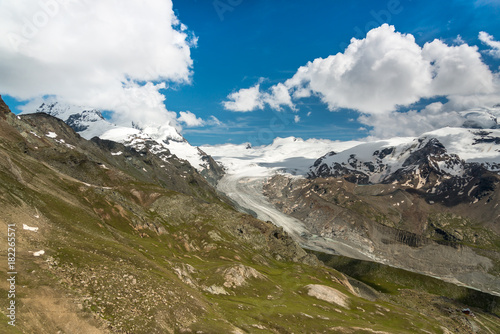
{"x":441,"y":172}
{"x":162,"y":138}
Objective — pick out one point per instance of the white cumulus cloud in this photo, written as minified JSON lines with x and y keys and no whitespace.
{"x":244,"y":100}
{"x":490,"y":41}
{"x":387,"y":70}
{"x":108,"y":54}
{"x":214,"y":121}
{"x":411,"y":123}
{"x":190,"y":119}
{"x":250,"y":99}
{"x":373,"y":75}
{"x":456,"y":70}
{"x":278,"y":97}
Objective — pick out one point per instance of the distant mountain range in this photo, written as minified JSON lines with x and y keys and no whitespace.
{"x":449,"y":165}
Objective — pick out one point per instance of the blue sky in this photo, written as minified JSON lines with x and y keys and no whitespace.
{"x":271,"y":39}
{"x":241,"y":43}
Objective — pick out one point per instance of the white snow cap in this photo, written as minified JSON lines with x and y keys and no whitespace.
{"x":291,"y":154}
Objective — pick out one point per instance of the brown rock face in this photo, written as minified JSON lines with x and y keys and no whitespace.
{"x":4,"y":109}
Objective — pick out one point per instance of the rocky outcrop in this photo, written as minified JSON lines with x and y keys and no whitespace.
{"x":391,"y":224}
{"x":390,"y":235}
{"x":213,"y":171}
{"x":4,"y":110}
{"x":328,"y":294}
{"x":237,"y":276}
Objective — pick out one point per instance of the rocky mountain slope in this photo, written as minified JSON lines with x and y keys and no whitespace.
{"x":396,"y":227}
{"x":427,"y":204}
{"x":450,"y":166}
{"x":110,"y":239}
{"x":163,"y":140}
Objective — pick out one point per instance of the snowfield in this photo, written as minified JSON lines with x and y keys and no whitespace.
{"x":471,"y":145}
{"x":291,"y":155}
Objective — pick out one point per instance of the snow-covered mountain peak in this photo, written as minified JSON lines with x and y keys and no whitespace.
{"x":443,"y":163}
{"x":379,"y":159}
{"x":88,"y":122}
{"x":471,"y":145}
{"x":160,"y":143}
{"x":62,"y":110}
{"x":164,"y":133}
{"x":163,"y":140}
{"x":279,"y":141}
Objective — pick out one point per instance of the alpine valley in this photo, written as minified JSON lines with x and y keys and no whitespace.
{"x":134,"y":230}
